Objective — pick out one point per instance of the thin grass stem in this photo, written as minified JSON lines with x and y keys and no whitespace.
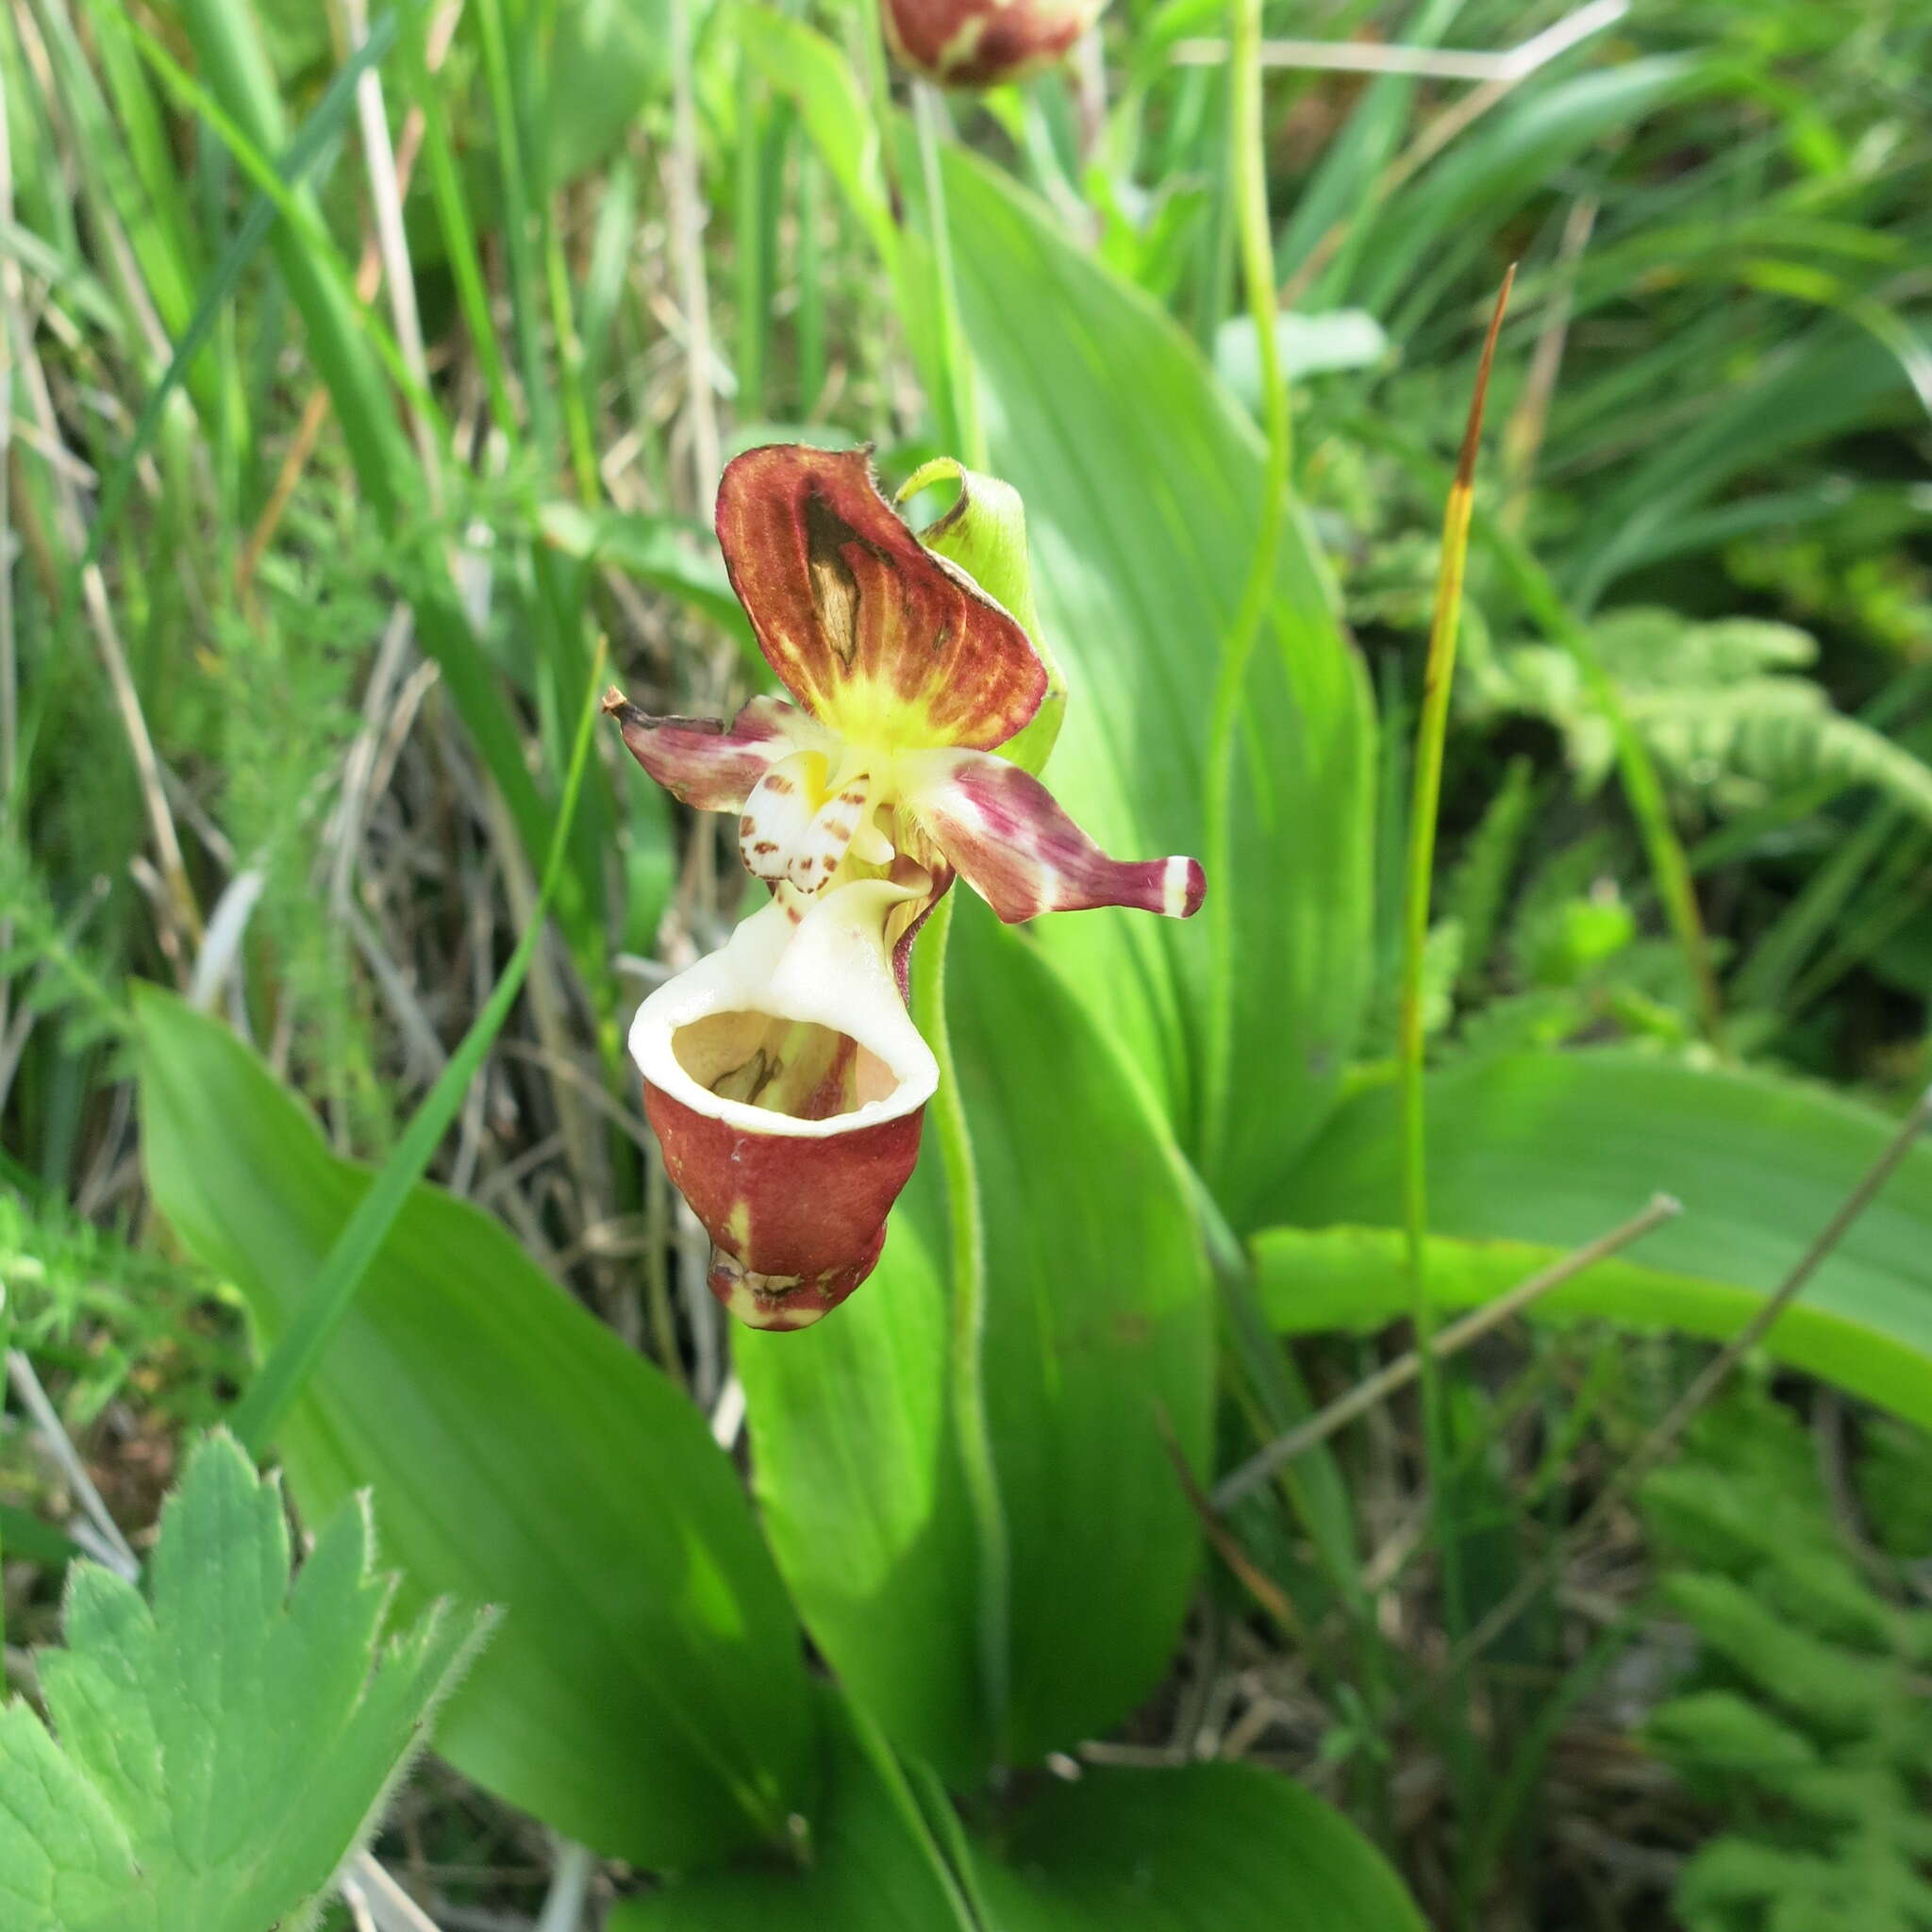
{"x":424,"y":57}
{"x":958,"y":396}
{"x":1248,"y":166}
{"x":812,"y":300}
{"x":748,"y":222}
{"x":1437,"y":63}
{"x":386,"y":208}
{"x":1457,"y":1336}
{"x":688,"y":236}
{"x":1425,"y":798}
{"x":965,"y":1214}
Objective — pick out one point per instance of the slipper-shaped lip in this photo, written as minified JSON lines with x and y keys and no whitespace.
{"x":823,"y":967}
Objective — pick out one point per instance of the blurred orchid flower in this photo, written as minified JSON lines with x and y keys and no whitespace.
{"x":983,"y":42}
{"x":783,"y":1075}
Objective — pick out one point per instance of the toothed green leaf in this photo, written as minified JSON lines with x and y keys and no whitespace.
{"x":224,"y":1742}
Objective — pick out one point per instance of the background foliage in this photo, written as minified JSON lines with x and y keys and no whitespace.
{"x":366,"y":370}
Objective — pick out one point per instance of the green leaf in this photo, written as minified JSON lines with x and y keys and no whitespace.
{"x":646,"y":1694}
{"x":1799,"y":1729}
{"x":1217,"y":1847}
{"x":1099,"y":1317}
{"x":22,"y":1535}
{"x":1720,"y":1732}
{"x":1342,"y":189}
{"x":608,"y":63}
{"x":1200,"y":1848}
{"x":1452,"y":213}
{"x":1553,"y":1149}
{"x":1832,"y":1690}
{"x":1736,"y":1881}
{"x":868,"y":1861}
{"x":1320,"y":344}
{"x":225,"y":1747}
{"x":1349,"y":1277}
{"x":1830,"y":380}
{"x":1142,"y":519}
{"x":811,"y":71}
{"x":858,"y":1484}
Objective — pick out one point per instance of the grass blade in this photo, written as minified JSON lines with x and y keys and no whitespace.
{"x":261,"y":1410}
{"x":1248,"y":164}
{"x":1425,"y":798}
{"x":308,"y":145}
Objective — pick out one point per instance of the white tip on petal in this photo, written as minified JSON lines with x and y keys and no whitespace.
{"x":1176,"y":888}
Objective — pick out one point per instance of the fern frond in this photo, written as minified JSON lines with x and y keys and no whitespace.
{"x":1716,"y":705}
{"x":1801,"y":1725}
{"x":1647,"y":648}
{"x":1778,"y":734}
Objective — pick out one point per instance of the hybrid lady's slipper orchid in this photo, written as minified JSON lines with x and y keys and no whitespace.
{"x":783,"y":1074}
{"x":982,"y":43}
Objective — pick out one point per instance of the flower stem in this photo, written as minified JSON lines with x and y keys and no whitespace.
{"x":967,"y":1339}
{"x":1248,"y":165}
{"x":956,"y":402}
{"x":1426,"y":799}
{"x":956,"y":395}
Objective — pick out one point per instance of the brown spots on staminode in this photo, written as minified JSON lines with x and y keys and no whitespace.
{"x":765,"y":845}
{"x":777,"y":782}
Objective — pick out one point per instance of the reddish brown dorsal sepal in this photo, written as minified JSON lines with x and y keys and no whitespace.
{"x":875,"y":636}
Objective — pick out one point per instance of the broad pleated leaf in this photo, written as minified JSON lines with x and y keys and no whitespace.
{"x":645,"y":1692}
{"x":868,"y":1861}
{"x":858,"y":1483}
{"x":1099,"y":1317}
{"x":1142,"y":486}
{"x":1200,"y":1848}
{"x":1554,"y":1149}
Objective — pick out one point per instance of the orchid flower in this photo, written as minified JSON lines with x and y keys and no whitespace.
{"x":985,"y":42}
{"x":783,"y":1074}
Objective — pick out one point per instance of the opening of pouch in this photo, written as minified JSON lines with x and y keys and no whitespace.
{"x":795,"y":1067}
